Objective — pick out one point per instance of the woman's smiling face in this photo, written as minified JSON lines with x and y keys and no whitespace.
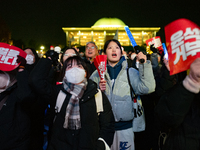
{"x":113,"y":52}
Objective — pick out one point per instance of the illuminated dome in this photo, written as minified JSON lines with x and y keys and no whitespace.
{"x":109,"y":22}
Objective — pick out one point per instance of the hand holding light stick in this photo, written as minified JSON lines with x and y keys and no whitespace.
{"x":166,"y":62}
{"x":134,"y":44}
{"x":165,"y":51}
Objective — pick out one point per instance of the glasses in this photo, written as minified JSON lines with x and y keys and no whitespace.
{"x":70,"y":54}
{"x":90,"y":47}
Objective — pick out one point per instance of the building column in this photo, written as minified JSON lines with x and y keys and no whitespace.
{"x":142,"y":37}
{"x":92,"y":35}
{"x":79,"y":38}
{"x":154,"y":33}
{"x":104,"y":36}
{"x":67,"y":39}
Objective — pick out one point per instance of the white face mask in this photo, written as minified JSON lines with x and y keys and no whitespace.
{"x":133,"y":56}
{"x":75,"y":75}
{"x":29,"y":59}
{"x":5,"y":78}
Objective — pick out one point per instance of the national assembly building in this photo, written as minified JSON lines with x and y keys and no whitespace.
{"x":105,"y":29}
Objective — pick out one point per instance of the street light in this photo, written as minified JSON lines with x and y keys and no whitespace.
{"x":41,"y":51}
{"x":42,"y":47}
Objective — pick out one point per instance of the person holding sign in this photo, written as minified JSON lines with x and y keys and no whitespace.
{"x":115,"y":85}
{"x":178,"y":108}
{"x":16,"y":97}
{"x":179,"y":111}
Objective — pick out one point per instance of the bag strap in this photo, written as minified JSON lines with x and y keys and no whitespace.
{"x":61,"y":97}
{"x":99,"y":102}
{"x":2,"y":102}
{"x":59,"y":102}
{"x":7,"y":94}
{"x":132,"y":91}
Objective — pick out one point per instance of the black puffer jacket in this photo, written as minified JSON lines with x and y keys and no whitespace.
{"x":179,"y":111}
{"x":14,"y":119}
{"x":92,"y":125}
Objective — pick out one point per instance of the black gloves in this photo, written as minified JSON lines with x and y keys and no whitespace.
{"x":153,"y":49}
{"x":53,"y":55}
{"x":140,"y":49}
{"x":22,"y":61}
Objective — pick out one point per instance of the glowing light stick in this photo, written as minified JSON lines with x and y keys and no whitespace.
{"x":134,"y":44}
{"x":128,"y":32}
{"x":165,"y":51}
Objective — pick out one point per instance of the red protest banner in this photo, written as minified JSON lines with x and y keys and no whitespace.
{"x":8,"y":56}
{"x":156,"y":41}
{"x":100,"y":62}
{"x":183,"y":44}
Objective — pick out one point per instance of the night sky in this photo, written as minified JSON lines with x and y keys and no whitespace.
{"x":42,"y":20}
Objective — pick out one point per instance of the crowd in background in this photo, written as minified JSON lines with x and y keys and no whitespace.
{"x":50,"y":102}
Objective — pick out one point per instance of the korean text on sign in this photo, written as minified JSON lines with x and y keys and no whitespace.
{"x":8,"y":56}
{"x":181,"y":45}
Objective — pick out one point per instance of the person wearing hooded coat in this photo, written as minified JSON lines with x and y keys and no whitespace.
{"x":89,"y":130}
{"x":116,"y":87}
{"x":15,"y":99}
{"x":37,"y":109}
{"x":178,"y":111}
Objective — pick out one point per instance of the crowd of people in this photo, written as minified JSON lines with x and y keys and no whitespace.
{"x":84,"y":112}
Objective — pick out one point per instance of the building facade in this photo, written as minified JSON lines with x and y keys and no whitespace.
{"x":105,"y":29}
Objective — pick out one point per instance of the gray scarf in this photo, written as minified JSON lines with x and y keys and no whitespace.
{"x":72,"y":116}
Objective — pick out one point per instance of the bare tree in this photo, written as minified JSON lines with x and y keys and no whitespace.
{"x":5,"y":34}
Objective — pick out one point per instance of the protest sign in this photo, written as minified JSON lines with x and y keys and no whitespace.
{"x":183,"y":44}
{"x":156,"y":41}
{"x":8,"y":56}
{"x":100,"y":62}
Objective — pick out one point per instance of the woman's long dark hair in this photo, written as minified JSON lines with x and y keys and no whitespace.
{"x":112,"y":40}
{"x":61,"y":58}
{"x":35,"y":54}
{"x":77,"y":59}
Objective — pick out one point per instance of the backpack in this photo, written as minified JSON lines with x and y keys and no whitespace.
{"x":99,"y":106}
